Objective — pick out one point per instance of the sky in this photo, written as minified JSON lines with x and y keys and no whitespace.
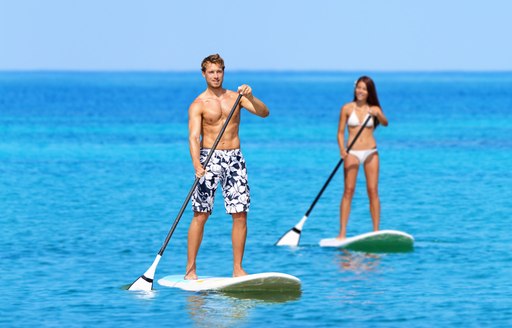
{"x":274,"y":35}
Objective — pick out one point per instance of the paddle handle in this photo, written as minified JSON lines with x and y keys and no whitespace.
{"x":336,"y":167}
{"x":196,"y":181}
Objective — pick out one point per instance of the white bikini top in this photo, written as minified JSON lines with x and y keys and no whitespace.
{"x":353,"y":120}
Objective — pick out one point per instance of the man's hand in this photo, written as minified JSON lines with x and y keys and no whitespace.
{"x":200,"y":171}
{"x":245,"y":91}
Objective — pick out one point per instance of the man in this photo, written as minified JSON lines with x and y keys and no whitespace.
{"x":207,"y":115}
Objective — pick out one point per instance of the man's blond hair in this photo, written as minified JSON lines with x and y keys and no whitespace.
{"x":212,"y":59}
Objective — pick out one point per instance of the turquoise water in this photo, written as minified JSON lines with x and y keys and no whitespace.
{"x":95,"y":166}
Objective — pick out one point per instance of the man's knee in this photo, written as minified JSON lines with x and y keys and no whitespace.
{"x":201,"y":217}
{"x":240,"y":217}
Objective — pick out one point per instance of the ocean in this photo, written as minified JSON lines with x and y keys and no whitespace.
{"x":94,"y":167}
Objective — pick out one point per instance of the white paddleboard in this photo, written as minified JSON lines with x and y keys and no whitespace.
{"x":376,"y":241}
{"x":267,"y":281}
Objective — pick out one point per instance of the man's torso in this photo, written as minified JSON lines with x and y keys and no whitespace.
{"x":214,"y":112}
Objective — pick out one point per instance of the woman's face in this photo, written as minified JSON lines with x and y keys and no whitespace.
{"x":361,"y":91}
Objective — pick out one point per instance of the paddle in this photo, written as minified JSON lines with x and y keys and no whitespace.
{"x":292,"y":237}
{"x":145,"y":282}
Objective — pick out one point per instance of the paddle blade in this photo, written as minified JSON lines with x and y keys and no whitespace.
{"x":145,"y":282}
{"x":292,"y":237}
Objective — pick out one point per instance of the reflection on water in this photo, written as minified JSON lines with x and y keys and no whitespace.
{"x":358,"y":262}
{"x":142,"y":294}
{"x":213,"y":310}
{"x":265,"y":296}
{"x":146,"y":295}
{"x":230,"y":309}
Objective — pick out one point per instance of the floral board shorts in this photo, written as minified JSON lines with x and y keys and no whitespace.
{"x":228,"y":168}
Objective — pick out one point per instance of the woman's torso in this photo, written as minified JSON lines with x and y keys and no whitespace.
{"x":355,"y":120}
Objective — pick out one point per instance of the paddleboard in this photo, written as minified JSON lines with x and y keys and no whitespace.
{"x":266,"y":281}
{"x":382,"y":241}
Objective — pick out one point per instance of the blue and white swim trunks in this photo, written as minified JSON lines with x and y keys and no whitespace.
{"x":227,"y":167}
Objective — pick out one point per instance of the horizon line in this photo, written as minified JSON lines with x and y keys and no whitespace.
{"x":256,"y":71}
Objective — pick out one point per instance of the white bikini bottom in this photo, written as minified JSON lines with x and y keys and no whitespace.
{"x":362,"y":155}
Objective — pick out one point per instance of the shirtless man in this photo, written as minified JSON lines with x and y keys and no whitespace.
{"x":207,"y":114}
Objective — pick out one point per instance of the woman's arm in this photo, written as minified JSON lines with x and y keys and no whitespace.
{"x":341,"y":131}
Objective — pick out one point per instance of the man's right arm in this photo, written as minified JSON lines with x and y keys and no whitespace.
{"x":194,"y":136}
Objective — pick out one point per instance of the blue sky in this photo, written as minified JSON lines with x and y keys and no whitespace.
{"x":378,"y":35}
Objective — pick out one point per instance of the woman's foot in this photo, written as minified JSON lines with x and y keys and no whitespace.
{"x":191,"y":274}
{"x":239,"y":272}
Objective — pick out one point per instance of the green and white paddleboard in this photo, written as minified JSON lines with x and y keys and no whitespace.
{"x":259,"y":282}
{"x":382,"y":241}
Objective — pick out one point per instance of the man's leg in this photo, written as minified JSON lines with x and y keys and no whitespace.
{"x":238,"y":236}
{"x":195,"y":236}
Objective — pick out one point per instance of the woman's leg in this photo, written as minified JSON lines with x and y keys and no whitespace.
{"x":371,"y":170}
{"x":351,"y":168}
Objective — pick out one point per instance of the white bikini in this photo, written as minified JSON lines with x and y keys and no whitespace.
{"x":353,"y":121}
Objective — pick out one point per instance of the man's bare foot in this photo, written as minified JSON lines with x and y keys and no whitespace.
{"x":191,"y":274}
{"x":341,"y":237}
{"x":239,"y":273}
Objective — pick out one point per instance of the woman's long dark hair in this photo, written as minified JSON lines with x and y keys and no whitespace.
{"x":373,"y":99}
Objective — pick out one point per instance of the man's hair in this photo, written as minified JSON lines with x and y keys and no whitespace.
{"x":212,"y":59}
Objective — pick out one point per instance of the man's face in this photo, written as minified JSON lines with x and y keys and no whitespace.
{"x":214,"y":75}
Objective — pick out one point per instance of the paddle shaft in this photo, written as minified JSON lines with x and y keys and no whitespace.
{"x":196,"y":181}
{"x":337,"y":167}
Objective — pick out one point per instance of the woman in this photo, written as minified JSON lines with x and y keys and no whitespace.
{"x":363,"y":152}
